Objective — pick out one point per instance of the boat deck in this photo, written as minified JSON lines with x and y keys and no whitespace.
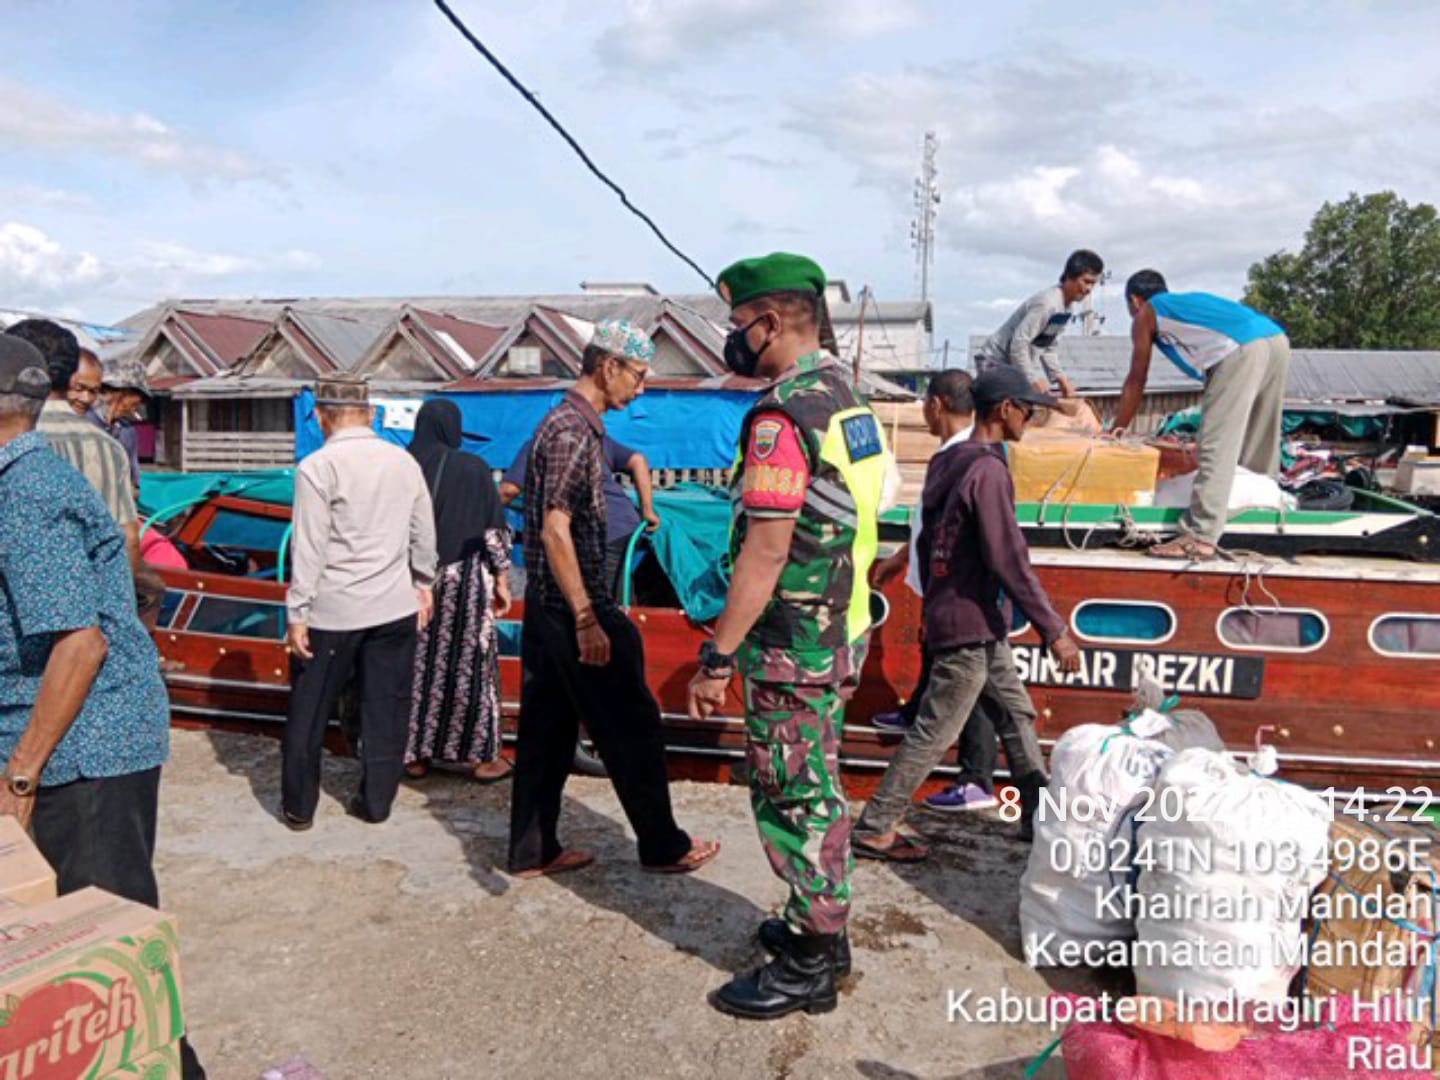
{"x":1334,"y":567}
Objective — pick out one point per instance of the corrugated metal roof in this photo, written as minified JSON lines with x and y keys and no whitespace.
{"x":229,"y":337}
{"x":1353,"y":375}
{"x":343,"y":339}
{"x":1098,"y":365}
{"x":475,"y":339}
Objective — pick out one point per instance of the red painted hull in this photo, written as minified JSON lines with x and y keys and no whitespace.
{"x":1343,"y":714}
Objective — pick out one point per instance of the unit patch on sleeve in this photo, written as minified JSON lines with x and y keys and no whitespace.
{"x":862,"y":436}
{"x":764,"y":437}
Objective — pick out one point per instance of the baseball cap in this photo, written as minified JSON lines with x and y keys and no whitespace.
{"x":1007,"y":384}
{"x":22,"y":369}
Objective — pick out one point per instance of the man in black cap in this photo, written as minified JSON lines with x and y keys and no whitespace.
{"x":970,"y":548}
{"x":84,"y":717}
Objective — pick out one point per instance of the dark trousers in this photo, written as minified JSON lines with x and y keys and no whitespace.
{"x":102,"y":833}
{"x":979,"y":747}
{"x":384,"y":659}
{"x":623,"y":719}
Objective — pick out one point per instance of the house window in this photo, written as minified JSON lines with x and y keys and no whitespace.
{"x":1272,"y":629}
{"x":238,"y":618}
{"x":1136,"y":621}
{"x":1406,"y":634}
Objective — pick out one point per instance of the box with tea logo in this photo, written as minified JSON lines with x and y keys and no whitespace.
{"x":89,"y":984}
{"x":25,"y":876}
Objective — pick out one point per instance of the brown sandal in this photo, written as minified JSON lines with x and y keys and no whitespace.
{"x":417,"y":770}
{"x":493,"y":778}
{"x":900,"y":850}
{"x":1184,"y":547}
{"x":570,"y":859}
{"x":700,"y":853}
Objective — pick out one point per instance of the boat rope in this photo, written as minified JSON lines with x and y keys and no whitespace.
{"x":534,"y":101}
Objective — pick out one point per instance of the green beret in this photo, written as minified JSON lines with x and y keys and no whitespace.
{"x":743,"y":281}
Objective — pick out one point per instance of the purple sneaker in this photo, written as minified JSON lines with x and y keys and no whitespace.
{"x":891,"y":721}
{"x":958,"y":798}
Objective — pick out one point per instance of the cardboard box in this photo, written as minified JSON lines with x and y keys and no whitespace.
{"x":25,"y":876}
{"x":1058,"y":468}
{"x":164,"y":1064}
{"x":89,"y":984}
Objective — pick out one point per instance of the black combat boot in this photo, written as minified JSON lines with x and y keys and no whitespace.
{"x":1029,"y":786}
{"x":776,"y":936}
{"x":801,"y":977}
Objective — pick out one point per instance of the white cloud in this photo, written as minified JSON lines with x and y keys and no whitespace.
{"x":671,"y":34}
{"x":37,"y":195}
{"x":32,"y":118}
{"x":1124,"y":205}
{"x":36,"y":269}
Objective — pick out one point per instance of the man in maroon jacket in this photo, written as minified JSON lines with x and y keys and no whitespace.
{"x":970,"y":548}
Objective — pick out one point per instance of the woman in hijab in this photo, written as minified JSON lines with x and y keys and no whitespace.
{"x":455,"y":706}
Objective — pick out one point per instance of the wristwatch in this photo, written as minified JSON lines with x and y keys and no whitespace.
{"x":20,"y":785}
{"x":712,"y":659}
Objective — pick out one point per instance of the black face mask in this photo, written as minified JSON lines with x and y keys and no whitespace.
{"x":740,"y":357}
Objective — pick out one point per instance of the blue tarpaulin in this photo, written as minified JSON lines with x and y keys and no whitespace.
{"x":675,"y":429}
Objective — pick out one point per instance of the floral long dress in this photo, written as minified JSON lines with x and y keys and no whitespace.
{"x":455,"y":703}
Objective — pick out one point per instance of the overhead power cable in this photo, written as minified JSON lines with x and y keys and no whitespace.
{"x":520,"y":88}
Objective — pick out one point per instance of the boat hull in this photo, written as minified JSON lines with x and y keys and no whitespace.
{"x":1341,"y":714}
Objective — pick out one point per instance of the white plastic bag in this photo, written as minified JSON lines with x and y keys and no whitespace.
{"x":1266,"y":843}
{"x":1250,"y":491}
{"x":1096,"y":772}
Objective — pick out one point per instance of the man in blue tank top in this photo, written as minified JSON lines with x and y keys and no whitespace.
{"x":1243,"y":358}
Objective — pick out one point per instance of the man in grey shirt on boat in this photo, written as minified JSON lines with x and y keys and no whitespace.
{"x":1028,"y":340}
{"x":364,"y":562}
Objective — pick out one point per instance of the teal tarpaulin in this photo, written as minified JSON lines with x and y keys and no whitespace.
{"x":170,"y":493}
{"x":1187,"y":422}
{"x":692,"y":545}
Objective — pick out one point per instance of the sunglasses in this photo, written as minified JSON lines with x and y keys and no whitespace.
{"x":1026,"y":409}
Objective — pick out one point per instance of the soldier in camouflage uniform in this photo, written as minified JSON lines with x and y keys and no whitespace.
{"x":806,"y":492}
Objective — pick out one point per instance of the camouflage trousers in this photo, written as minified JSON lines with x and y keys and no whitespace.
{"x":794,"y":714}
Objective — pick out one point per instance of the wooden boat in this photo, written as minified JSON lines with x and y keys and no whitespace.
{"x":1337,"y":654}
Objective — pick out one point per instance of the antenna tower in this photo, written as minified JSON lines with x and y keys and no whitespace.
{"x":927,"y":205}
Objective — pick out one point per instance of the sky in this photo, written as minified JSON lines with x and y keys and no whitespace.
{"x":157,"y":149}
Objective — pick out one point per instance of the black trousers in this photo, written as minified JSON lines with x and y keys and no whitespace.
{"x":102,"y":833}
{"x":384,"y":659}
{"x":979,"y":747}
{"x":623,"y":719}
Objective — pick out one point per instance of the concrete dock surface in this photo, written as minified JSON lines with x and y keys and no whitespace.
{"x":404,"y":950}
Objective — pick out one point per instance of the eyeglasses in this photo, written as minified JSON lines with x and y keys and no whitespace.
{"x":638,"y":374}
{"x":1026,"y":409}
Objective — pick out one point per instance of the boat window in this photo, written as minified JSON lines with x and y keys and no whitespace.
{"x":169,"y":605}
{"x":253,"y":532}
{"x":1405,"y":634}
{"x":238,"y":618}
{"x":1124,"y":620}
{"x":1272,"y":629}
{"x":507,"y":632}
